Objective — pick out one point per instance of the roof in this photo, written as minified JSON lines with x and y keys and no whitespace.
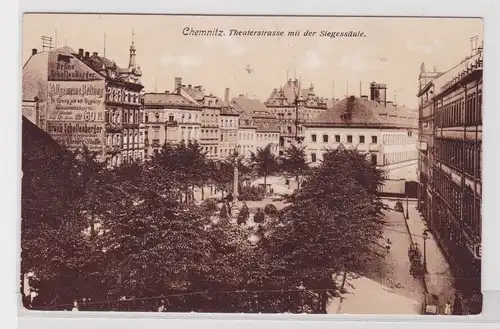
{"x":263,"y":126}
{"x":228,"y":110}
{"x":168,"y":99}
{"x":468,"y":64}
{"x":246,"y":121}
{"x":65,"y":50}
{"x":35,"y":75}
{"x":285,"y":96}
{"x":196,"y":92}
{"x":251,"y":106}
{"x":367,"y":113}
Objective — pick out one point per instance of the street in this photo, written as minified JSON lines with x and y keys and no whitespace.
{"x":388,"y":287}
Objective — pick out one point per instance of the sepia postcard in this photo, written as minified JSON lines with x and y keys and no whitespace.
{"x":246,"y":164}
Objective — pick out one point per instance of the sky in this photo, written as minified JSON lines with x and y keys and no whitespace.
{"x":390,"y":52}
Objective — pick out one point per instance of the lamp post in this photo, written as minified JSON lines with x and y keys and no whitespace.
{"x":407,"y":215}
{"x":235,"y":180}
{"x":425,"y":236}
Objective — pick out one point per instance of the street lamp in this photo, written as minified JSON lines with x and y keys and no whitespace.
{"x":425,"y":236}
{"x":407,"y":215}
{"x":235,"y":180}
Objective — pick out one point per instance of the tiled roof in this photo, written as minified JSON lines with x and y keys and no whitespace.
{"x":285,"y":96}
{"x":254,"y":107}
{"x":228,"y":110}
{"x":267,"y":127}
{"x":358,"y":111}
{"x":196,"y":92}
{"x":164,"y":99}
{"x":64,"y":50}
{"x":246,"y":120}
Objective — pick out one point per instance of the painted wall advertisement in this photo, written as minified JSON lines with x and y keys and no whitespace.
{"x":65,"y":67}
{"x":75,"y":113}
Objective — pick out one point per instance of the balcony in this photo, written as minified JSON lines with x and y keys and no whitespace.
{"x":113,"y":149}
{"x":113,"y":127}
{"x":131,"y":125}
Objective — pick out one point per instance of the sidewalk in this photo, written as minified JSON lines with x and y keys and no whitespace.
{"x":439,"y":278}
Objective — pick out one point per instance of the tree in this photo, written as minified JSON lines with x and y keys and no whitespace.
{"x":57,"y":188}
{"x":155,"y":244}
{"x":331,"y":227}
{"x":187,"y":163}
{"x":264,"y":163}
{"x":294,"y":163}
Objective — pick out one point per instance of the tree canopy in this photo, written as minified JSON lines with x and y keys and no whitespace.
{"x":264,"y":163}
{"x":123,"y":238}
{"x":294,"y":163}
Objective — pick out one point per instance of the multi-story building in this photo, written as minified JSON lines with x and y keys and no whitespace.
{"x":267,"y":130}
{"x":450,"y":120}
{"x":211,"y":107}
{"x":385,"y":132}
{"x":170,"y":118}
{"x":293,"y":107}
{"x":87,"y":100}
{"x":247,"y":135}
{"x":229,"y":129}
{"x":124,"y":107}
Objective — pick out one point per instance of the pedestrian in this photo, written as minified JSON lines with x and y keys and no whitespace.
{"x":388,"y":245}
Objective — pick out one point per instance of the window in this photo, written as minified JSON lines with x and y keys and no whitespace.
{"x":337,"y":138}
{"x":289,"y":129}
{"x":313,"y":157}
{"x":361,"y":139}
{"x":349,"y":138}
{"x":171,"y":118}
{"x":374,"y":159}
{"x":325,"y":138}
{"x":313,"y":139}
{"x":410,"y":133}
{"x":221,"y":137}
{"x":374,"y":139}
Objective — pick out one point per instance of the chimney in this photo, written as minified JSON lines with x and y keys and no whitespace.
{"x":80,"y":52}
{"x":87,"y":55}
{"x":226,"y":95}
{"x":167,"y":91}
{"x":241,"y":96}
{"x":378,"y":92}
{"x":189,"y":86}
{"x":365,"y":97}
{"x":33,"y":51}
{"x":177,"y":82}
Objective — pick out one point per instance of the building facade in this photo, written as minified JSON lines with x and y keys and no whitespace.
{"x":124,"y":141}
{"x":450,"y":152}
{"x":293,"y":107}
{"x":211,"y":107}
{"x":87,"y":100}
{"x":170,"y":118}
{"x":247,"y":135}
{"x":267,"y":129}
{"x":385,"y":132}
{"x":229,"y":130}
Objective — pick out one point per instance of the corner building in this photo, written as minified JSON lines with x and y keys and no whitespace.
{"x":82,"y":99}
{"x":450,"y":151}
{"x":384,"y":132}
